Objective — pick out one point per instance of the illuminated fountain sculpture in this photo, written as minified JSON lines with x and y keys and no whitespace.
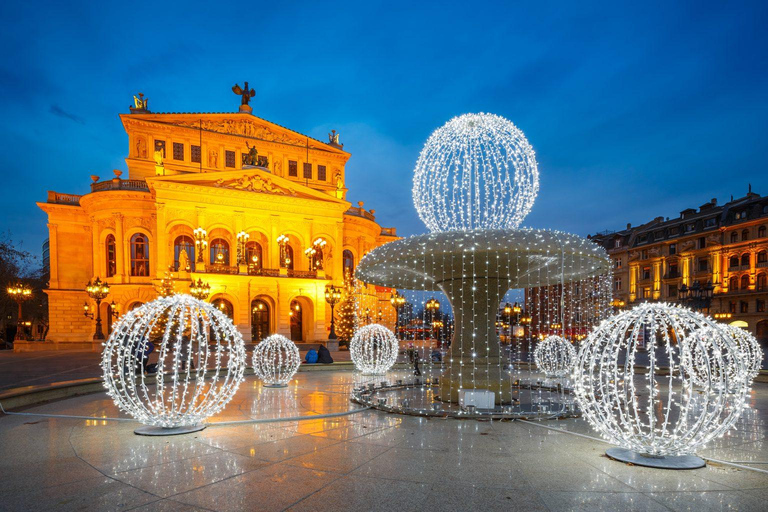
{"x":475,"y":181}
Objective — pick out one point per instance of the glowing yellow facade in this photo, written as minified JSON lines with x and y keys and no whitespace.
{"x":199,"y":171}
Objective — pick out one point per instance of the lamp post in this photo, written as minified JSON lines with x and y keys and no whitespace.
{"x":242,"y":239}
{"x":199,"y":290}
{"x":696,"y":297}
{"x":397,"y":301}
{"x":282,"y":241}
{"x":332,"y":297}
{"x":96,"y":290}
{"x":201,"y":243}
{"x":20,"y":293}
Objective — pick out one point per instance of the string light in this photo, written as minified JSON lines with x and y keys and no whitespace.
{"x":276,"y":360}
{"x":477,"y":171}
{"x":199,"y":356}
{"x":749,"y":347}
{"x":373,"y":349}
{"x":555,"y":356}
{"x":658,"y":412}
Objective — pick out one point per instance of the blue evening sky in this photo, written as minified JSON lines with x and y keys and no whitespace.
{"x":634,"y":110}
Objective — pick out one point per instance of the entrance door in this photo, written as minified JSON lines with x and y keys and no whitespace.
{"x":297,"y":332}
{"x":259,"y":320}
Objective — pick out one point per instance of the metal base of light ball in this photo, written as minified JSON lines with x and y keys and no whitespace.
{"x":275,"y":386}
{"x":150,"y":430}
{"x":666,"y":462}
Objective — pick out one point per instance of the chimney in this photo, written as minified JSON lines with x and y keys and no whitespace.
{"x":629,"y":225}
{"x":714,"y":200}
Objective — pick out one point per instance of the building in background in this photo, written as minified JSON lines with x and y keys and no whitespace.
{"x":724,"y":248}
{"x":255,"y":210}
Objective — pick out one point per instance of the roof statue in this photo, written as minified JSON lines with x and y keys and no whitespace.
{"x":333,"y":139}
{"x":140,"y":104}
{"x":245,"y":96}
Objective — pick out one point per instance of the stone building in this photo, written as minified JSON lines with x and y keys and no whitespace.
{"x":722,"y":246}
{"x":257,"y":211}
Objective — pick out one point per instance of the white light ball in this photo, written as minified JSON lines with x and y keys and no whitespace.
{"x":555,"y":356}
{"x":749,"y":347}
{"x":697,"y":359}
{"x":655,"y":410}
{"x":200,"y":357}
{"x":477,"y":171}
{"x":276,"y":360}
{"x":373,"y":349}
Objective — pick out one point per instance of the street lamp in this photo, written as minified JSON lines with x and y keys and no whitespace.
{"x":201,"y":243}
{"x":199,"y":290}
{"x":242,"y":239}
{"x":397,"y":301}
{"x":696,"y":297}
{"x":96,"y":290}
{"x":282,"y":241}
{"x":332,"y":297}
{"x":20,"y":293}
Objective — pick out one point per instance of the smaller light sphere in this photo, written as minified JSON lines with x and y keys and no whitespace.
{"x":710,"y":362}
{"x":276,"y":360}
{"x":749,"y":346}
{"x":555,"y":356}
{"x":374,"y":349}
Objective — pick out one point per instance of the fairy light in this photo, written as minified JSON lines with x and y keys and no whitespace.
{"x":276,"y":360}
{"x":659,"y":412}
{"x":200,"y":358}
{"x":748,"y":346}
{"x":477,"y":171}
{"x":555,"y":356}
{"x":373,"y":349}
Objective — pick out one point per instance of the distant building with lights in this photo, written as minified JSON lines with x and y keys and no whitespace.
{"x":257,"y":211}
{"x":724,"y":248}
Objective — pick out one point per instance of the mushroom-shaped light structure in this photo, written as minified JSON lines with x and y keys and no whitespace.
{"x":658,"y":417}
{"x":555,"y":356}
{"x":199,"y":357}
{"x":276,"y":360}
{"x":373,"y":349}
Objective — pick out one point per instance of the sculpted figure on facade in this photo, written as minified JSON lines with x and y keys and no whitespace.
{"x":141,"y":147}
{"x":213,"y":158}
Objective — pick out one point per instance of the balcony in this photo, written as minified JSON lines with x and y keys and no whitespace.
{"x":118,"y":184}
{"x":266,"y":272}
{"x":234,"y":270}
{"x":672,"y":275}
{"x":762,"y":264}
{"x":58,"y":198}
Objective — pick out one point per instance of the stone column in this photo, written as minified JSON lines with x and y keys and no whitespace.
{"x":162,"y":246}
{"x":122,"y":250}
{"x":98,"y":269}
{"x":53,"y":253}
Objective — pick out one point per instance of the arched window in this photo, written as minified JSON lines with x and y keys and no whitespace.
{"x":111,"y":252}
{"x":295,"y":313}
{"x":186,"y":245}
{"x":761,"y":281}
{"x":734,"y":237}
{"x":761,"y":232}
{"x":745,"y":235}
{"x":224,"y":306}
{"x":219,"y":251}
{"x":733,"y":262}
{"x":744,"y":282}
{"x":259,"y":320}
{"x":253,"y":255}
{"x":139,"y":255}
{"x":733,"y":283}
{"x":349,"y":262}
{"x":762,"y":257}
{"x":135,"y":305}
{"x":289,"y":257}
{"x":745,"y":259}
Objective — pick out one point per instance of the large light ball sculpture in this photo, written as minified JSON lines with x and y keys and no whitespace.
{"x":200,"y":358}
{"x":657,"y":416}
{"x":477,"y":171}
{"x":749,"y":347}
{"x":373,"y":349}
{"x":276,"y":360}
{"x":555,"y":356}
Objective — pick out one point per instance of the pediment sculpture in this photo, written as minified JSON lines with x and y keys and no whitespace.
{"x":255,"y":183}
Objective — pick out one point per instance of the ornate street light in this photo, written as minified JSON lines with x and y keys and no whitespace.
{"x":619,"y":304}
{"x":96,"y":290}
{"x":282,"y":241}
{"x":20,"y":293}
{"x":242,"y":239}
{"x":397,"y":301}
{"x":332,"y":297}
{"x":432,"y":305}
{"x":199,"y":290}
{"x":696,"y":297}
{"x":315,"y":254}
{"x":722,"y":316}
{"x":201,"y":243}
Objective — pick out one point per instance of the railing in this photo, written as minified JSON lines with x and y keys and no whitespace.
{"x":58,"y":198}
{"x":221,"y":269}
{"x":672,"y":275}
{"x":267,"y":272}
{"x":307,"y":274}
{"x":762,"y":264}
{"x":744,"y":267}
{"x":360,"y":212}
{"x":118,"y":184}
{"x":388,"y":231}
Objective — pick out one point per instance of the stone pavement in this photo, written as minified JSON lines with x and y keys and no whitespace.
{"x":367,"y":460}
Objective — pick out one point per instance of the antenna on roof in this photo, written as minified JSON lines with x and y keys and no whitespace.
{"x":750,"y":188}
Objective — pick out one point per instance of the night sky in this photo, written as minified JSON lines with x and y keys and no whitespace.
{"x":634,"y":111}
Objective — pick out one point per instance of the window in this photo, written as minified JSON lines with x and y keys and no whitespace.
{"x":646,"y":293}
{"x":617,"y":284}
{"x":734,"y":237}
{"x":702,"y":242}
{"x":744,"y":306}
{"x":745,"y":259}
{"x":253,"y":255}
{"x":617,"y":263}
{"x":672,"y":249}
{"x":745,"y":235}
{"x":139,"y":255}
{"x":731,"y":307}
{"x":672,"y":291}
{"x":307,"y":171}
{"x":644,"y":254}
{"x":321,"y":173}
{"x":224,"y":306}
{"x":658,"y":235}
{"x":111,"y":251}
{"x":646,"y":273}
{"x":219,"y":251}
{"x":689,"y":227}
{"x":703,"y":264}
{"x":293,"y":168}
{"x":762,"y":257}
{"x":733,"y":262}
{"x":195,"y":154}
{"x":617,"y":243}
{"x":673,"y":270}
{"x":349,"y":262}
{"x":184,"y":245}
{"x":733,"y":283}
{"x":229,"y":158}
{"x":744,"y":283}
{"x":178,"y":151}
{"x":761,"y":232}
{"x":259,"y":320}
{"x":673,"y":231}
{"x":710,"y":222}
{"x":760,"y":306}
{"x":642,"y":239}
{"x":761,"y":282}
{"x":160,"y":146}
{"x":741,"y":215}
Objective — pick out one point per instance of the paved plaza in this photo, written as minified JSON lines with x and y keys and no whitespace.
{"x":365,"y":460}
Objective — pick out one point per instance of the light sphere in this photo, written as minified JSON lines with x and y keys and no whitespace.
{"x":697,"y":359}
{"x":276,"y":360}
{"x":373,"y":349}
{"x":555,"y":356}
{"x":632,"y":387}
{"x":749,"y":347}
{"x":477,"y":171}
{"x":200,"y":358}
